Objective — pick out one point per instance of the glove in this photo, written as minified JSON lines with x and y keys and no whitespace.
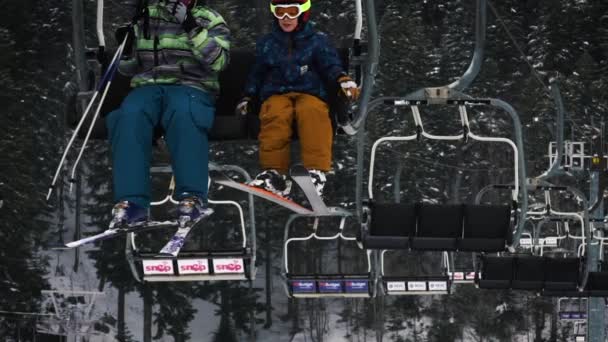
{"x":180,"y":9}
{"x":348,"y":87}
{"x":121,"y":33}
{"x":244,"y":106}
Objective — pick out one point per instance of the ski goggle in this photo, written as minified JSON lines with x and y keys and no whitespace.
{"x":291,"y":11}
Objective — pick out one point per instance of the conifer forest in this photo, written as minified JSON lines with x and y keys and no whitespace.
{"x":531,"y":48}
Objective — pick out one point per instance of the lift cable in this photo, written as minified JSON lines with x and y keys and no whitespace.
{"x":523,"y":55}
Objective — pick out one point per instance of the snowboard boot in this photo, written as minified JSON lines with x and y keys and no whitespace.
{"x":318,"y":180}
{"x":272,"y":181}
{"x":127,"y":213}
{"x":192,"y":209}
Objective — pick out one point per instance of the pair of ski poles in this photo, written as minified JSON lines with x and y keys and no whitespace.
{"x":105,"y":83}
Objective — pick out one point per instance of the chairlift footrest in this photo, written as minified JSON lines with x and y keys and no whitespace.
{"x":330,"y":285}
{"x":416,"y":285}
{"x":196,"y":266}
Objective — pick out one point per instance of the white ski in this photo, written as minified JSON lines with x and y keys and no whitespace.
{"x":112,"y":232}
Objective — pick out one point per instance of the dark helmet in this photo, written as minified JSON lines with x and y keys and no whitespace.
{"x":304,"y":17}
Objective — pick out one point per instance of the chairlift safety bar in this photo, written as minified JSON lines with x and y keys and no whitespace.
{"x":421,"y":132}
{"x":315,"y":236}
{"x":99,"y":24}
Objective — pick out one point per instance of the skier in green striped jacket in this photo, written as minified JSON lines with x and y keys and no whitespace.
{"x":179,"y":49}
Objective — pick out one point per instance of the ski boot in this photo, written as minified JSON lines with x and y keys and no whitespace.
{"x":127,"y":213}
{"x":272,"y":181}
{"x":318,"y":180}
{"x":192,"y":209}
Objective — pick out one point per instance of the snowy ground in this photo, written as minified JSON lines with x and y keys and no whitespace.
{"x":63,"y":278}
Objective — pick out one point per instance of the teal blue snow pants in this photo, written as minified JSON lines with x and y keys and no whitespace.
{"x":185,"y":115}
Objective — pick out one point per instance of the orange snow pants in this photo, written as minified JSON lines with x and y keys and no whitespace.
{"x":314,"y":131}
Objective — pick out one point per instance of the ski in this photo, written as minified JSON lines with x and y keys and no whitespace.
{"x":178,"y":239}
{"x":300,"y":175}
{"x":113,"y":232}
{"x":223,"y":179}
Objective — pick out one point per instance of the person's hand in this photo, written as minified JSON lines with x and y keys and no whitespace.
{"x":348,"y":87}
{"x":178,"y":9}
{"x":121,"y":33}
{"x":244,"y":106}
{"x":124,"y":31}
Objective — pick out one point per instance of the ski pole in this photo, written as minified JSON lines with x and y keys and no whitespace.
{"x":115,"y":59}
{"x":110,"y":75}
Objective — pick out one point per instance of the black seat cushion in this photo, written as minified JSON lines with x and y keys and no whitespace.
{"x":597,"y":284}
{"x":487,"y":228}
{"x":496,"y":272}
{"x":392,"y":225}
{"x":562,"y":274}
{"x":528,"y":273}
{"x":439,"y":226}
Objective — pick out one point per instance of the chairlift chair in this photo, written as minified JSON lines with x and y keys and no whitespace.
{"x":443,"y":227}
{"x":463,"y":227}
{"x":228,"y":125}
{"x":438,"y":227}
{"x":535,"y":270}
{"x":572,"y":309}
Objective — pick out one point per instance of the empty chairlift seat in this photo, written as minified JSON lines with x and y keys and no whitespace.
{"x":562,"y":276}
{"x":439,"y":227}
{"x":389,"y":225}
{"x":487,"y":228}
{"x":528,"y":273}
{"x":495,"y":272}
{"x":552,"y":276}
{"x":597,"y":283}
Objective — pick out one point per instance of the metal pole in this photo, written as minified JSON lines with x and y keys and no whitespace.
{"x":480,"y":38}
{"x":596,"y":306}
{"x":77,"y":221}
{"x":371,"y":69}
{"x":78,"y":42}
{"x":360,"y":168}
{"x":555,"y":168}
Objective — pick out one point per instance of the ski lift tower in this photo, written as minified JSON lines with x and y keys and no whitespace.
{"x":71,"y":313}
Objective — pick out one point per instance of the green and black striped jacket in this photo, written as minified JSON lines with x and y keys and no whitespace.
{"x":170,"y":55}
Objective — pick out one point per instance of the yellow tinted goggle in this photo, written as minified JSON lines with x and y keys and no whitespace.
{"x":291,"y":11}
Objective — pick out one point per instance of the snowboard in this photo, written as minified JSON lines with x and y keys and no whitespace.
{"x":223,"y":179}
